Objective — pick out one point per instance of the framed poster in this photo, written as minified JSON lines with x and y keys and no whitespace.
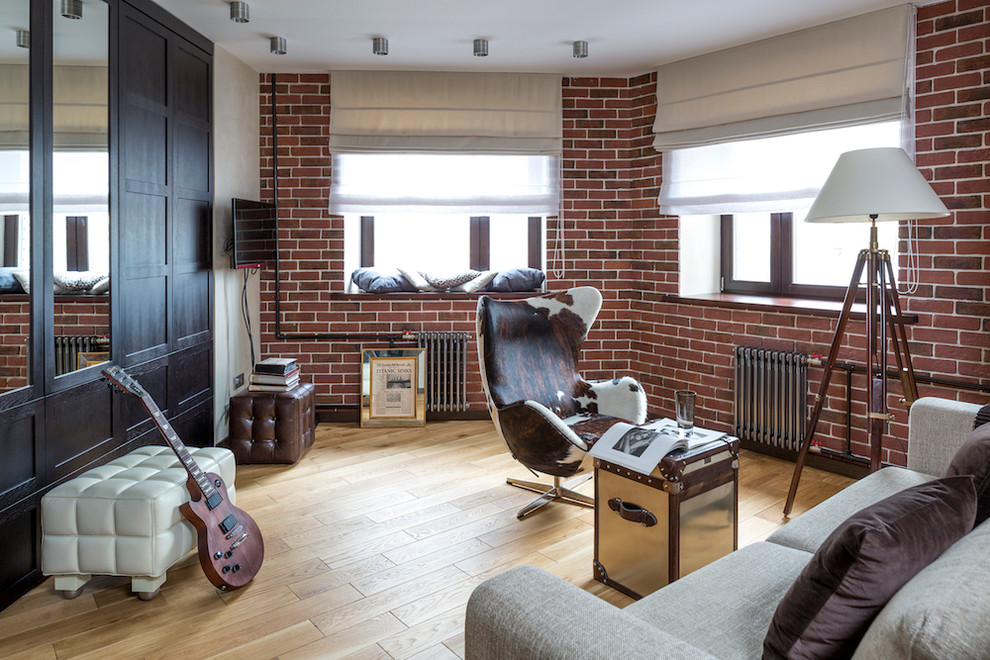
{"x":393,"y":389}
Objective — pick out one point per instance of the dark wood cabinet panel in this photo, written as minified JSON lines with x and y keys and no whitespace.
{"x":143,"y":238}
{"x":21,"y":565}
{"x":144,"y":136}
{"x":153,"y":377}
{"x":145,"y":334}
{"x":191,"y":300}
{"x":191,"y":377}
{"x":192,"y":221}
{"x":146,"y":45}
{"x":192,"y":83}
{"x":21,"y":446}
{"x":79,"y":422}
{"x":192,"y":153}
{"x":195,"y":426}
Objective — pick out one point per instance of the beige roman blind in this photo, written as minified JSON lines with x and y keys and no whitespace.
{"x":79,"y":112}
{"x":445,"y":112}
{"x":849,"y":72}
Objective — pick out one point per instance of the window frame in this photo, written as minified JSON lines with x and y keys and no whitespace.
{"x":781,"y":264}
{"x":76,"y":243}
{"x":11,"y":240}
{"x":479,"y":241}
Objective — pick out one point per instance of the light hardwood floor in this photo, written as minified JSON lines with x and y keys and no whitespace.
{"x":374,"y":541}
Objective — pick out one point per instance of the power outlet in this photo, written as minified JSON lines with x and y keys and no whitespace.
{"x":238,"y":381}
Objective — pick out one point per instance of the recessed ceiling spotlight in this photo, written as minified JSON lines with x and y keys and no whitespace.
{"x":240,"y":12}
{"x":379,"y":45}
{"x":71,"y":9}
{"x":580,"y":49}
{"x":23,"y":39}
{"x":278,"y":45}
{"x":481,"y":47}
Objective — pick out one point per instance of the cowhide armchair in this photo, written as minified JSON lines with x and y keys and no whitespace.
{"x":545,"y":412}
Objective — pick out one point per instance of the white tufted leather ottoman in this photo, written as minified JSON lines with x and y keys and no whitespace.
{"x":123,"y":518}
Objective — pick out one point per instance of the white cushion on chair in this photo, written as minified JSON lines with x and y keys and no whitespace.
{"x":123,"y":518}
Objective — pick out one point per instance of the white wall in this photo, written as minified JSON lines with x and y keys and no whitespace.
{"x":700,"y":254}
{"x":237,"y":173}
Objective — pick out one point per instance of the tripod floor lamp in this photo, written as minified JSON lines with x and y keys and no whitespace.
{"x":871,"y":185}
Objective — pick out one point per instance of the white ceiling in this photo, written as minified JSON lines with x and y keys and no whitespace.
{"x":625,"y":37}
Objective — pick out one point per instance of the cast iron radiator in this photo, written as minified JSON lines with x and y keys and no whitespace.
{"x":68,"y":348}
{"x":771,"y":397}
{"x":446,"y":370}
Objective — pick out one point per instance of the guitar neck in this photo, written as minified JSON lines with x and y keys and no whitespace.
{"x":177,"y":445}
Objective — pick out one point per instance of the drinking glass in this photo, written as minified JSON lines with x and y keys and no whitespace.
{"x":684,"y":411}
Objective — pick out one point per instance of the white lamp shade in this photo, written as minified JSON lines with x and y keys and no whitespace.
{"x":881,"y":182}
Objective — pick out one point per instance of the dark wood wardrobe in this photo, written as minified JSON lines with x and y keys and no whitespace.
{"x":159,"y":141}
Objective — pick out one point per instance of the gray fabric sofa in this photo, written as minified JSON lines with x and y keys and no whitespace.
{"x":724,"y":609}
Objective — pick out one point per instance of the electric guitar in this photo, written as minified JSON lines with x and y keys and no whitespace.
{"x":230,"y":545}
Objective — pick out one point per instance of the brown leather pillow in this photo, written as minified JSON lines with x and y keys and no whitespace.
{"x":863,"y":563}
{"x":973,"y":458}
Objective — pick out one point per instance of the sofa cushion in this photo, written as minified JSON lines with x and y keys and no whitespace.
{"x":8,"y":283}
{"x":942,"y":612}
{"x":973,"y":458}
{"x":517,"y":279}
{"x":863,"y":563}
{"x":526,"y":612}
{"x":810,"y":529}
{"x":373,"y":281}
{"x":697,"y":610}
{"x":936,"y":429}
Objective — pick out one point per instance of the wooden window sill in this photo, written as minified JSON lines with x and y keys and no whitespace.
{"x":780,"y":304}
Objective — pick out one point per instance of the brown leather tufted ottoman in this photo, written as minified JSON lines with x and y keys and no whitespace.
{"x":272,"y":427}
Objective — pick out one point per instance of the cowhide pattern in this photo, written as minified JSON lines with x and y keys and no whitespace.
{"x":538,"y":439}
{"x":528,"y":351}
{"x":620,"y":397}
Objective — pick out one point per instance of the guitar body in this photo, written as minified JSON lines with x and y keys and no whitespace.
{"x":230,"y":545}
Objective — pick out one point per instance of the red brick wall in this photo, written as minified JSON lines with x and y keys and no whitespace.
{"x":84,"y":317}
{"x":614,"y":238}
{"x":15,"y":327}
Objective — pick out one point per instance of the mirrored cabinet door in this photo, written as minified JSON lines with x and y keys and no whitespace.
{"x":80,"y":230}
{"x":15,"y":187}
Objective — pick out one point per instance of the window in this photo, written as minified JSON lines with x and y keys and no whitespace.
{"x":81,"y":227}
{"x":780,"y":254}
{"x":761,"y":190}
{"x":498,"y":242}
{"x":444,"y":212}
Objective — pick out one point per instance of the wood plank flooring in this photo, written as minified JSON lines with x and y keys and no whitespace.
{"x":374,"y":541}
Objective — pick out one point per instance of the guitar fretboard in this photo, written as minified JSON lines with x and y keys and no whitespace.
{"x":127,"y":384}
{"x":177,"y":445}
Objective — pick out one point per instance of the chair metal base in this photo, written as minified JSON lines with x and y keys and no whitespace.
{"x":559,"y":491}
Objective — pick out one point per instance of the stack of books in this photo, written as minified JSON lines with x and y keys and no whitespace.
{"x":274,"y":374}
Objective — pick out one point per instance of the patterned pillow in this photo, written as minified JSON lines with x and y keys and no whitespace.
{"x":448,"y":281}
{"x":78,"y":280}
{"x":415,"y":279}
{"x":478,"y":283}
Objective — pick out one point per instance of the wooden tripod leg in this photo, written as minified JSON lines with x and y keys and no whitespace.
{"x":898,"y":334}
{"x":833,"y":353}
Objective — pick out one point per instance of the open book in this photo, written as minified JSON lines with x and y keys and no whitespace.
{"x":640,"y":448}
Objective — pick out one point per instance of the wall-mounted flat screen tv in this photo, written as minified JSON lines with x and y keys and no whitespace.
{"x":255,"y":226}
